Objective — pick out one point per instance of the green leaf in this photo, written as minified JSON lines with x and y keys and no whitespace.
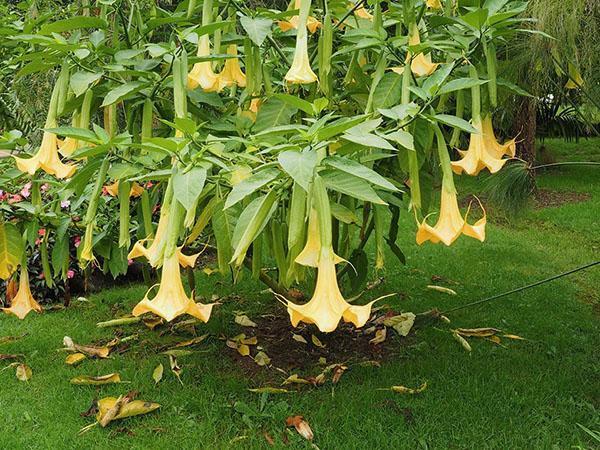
{"x":456,"y":122}
{"x":513,"y":87}
{"x":343,"y":214}
{"x":250,"y":185}
{"x":477,"y":18}
{"x":459,"y":84}
{"x":388,"y":91}
{"x":350,"y":185}
{"x":76,"y":133}
{"x":299,"y":165}
{"x":404,"y":138}
{"x":222,"y":229}
{"x":11,"y":249}
{"x":358,"y":170}
{"x":368,"y":140}
{"x":73,"y":23}
{"x":296,"y":102}
{"x":122,"y":91}
{"x":188,"y":186}
{"x":273,"y":113}
{"x":80,"y":81}
{"x":257,"y":28}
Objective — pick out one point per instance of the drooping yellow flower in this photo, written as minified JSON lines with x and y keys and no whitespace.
{"x":292,"y":23}
{"x":68,"y":146}
{"x":327,"y":305}
{"x":484,"y":151}
{"x":171,"y":300}
{"x":202,"y":73}
{"x":421,"y":64}
{"x":450,"y":224}
{"x":155,"y":251}
{"x":23,"y":302}
{"x":232,"y":73}
{"x":46,"y":159}
{"x":309,"y":256}
{"x":87,"y":254}
{"x":300,"y":71}
{"x":434,"y":4}
{"x":113,"y":189}
{"x":361,"y":12}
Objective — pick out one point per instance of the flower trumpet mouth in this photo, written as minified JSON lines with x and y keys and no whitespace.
{"x":450,"y":224}
{"x":23,"y":303}
{"x":327,"y":305}
{"x":46,"y":159}
{"x":300,"y":71}
{"x":420,"y":64}
{"x":484,"y":151}
{"x":171,"y":300}
{"x":232,"y":73}
{"x":292,"y":24}
{"x":113,"y":189}
{"x":202,"y":73}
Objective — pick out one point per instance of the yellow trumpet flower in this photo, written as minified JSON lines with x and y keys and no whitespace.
{"x":450,"y":224}
{"x":327,"y":305}
{"x":309,"y":256}
{"x":484,"y":151}
{"x":232,"y":73}
{"x":68,"y":146}
{"x":87,"y":254}
{"x":202,"y":73}
{"x":47,"y":159}
{"x":421,"y":64}
{"x":300,"y":71}
{"x":361,"y":12}
{"x":113,"y":189}
{"x":292,"y":23}
{"x":171,"y":300}
{"x":23,"y":302}
{"x":434,"y":4}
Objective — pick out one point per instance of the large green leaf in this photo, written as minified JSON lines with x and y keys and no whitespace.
{"x":358,"y":170}
{"x":257,"y":28}
{"x":388,"y":91}
{"x":459,"y":84}
{"x":274,"y":112}
{"x":80,"y":81}
{"x":250,"y":185}
{"x":11,"y":249}
{"x":455,"y":122}
{"x":122,"y":91}
{"x":188,"y":186}
{"x":299,"y":165}
{"x":350,"y":185}
{"x":73,"y":23}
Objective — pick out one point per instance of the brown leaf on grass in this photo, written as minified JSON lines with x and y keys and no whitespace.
{"x":96,"y":352}
{"x":111,"y":378}
{"x":295,"y":379}
{"x":189,"y":342}
{"x":514,"y":336}
{"x":462,"y":341}
{"x":269,"y":439}
{"x":262,"y":359}
{"x":243,"y":349}
{"x":74,"y":358}
{"x":301,"y":426}
{"x":315,"y":340}
{"x":477,"y":332}
{"x":380,"y":336}
{"x":157,"y":373}
{"x":338,"y":371}
{"x":406,"y":390}
{"x":110,"y":409}
{"x":23,"y":372}
{"x":6,"y":356}
{"x":244,"y":321}
{"x":442,"y":289}
{"x":495,"y":339}
{"x":175,"y":368}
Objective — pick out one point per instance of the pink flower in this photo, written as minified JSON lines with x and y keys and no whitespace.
{"x":76,"y":241}
{"x":149,"y":184}
{"x":25,"y":192}
{"x":129,"y":262}
{"x":42,"y":232}
{"x":70,"y":273}
{"x":16,"y":198}
{"x":44,"y":187}
{"x":65,"y":204}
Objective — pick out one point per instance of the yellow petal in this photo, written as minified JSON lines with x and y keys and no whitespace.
{"x":23,"y":303}
{"x":202,"y":73}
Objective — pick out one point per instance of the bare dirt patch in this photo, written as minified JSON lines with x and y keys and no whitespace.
{"x":545,"y":198}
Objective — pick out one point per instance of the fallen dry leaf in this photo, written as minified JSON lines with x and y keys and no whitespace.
{"x":462,"y":341}
{"x":5,"y":356}
{"x":379,"y":336}
{"x":111,"y":378}
{"x":244,"y":321}
{"x":301,"y":426}
{"x":262,"y":359}
{"x":152,"y":322}
{"x":295,"y":379}
{"x":315,"y":340}
{"x":74,"y":358}
{"x":269,"y":390}
{"x":299,"y":338}
{"x":514,"y":336}
{"x":401,"y":323}
{"x":111,"y":408}
{"x":157,"y":373}
{"x":23,"y":372}
{"x":97,"y":352}
{"x":405,"y":390}
{"x":243,"y":349}
{"x":495,"y":339}
{"x":269,"y":438}
{"x":477,"y":332}
{"x":175,"y":368}
{"x":338,"y":371}
{"x":443,"y":289}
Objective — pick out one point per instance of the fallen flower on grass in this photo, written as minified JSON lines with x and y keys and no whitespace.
{"x":338,"y":371}
{"x":97,"y":352}
{"x":74,"y":358}
{"x":477,"y":332}
{"x":301,"y":426}
{"x":111,"y":408}
{"x":443,"y":289}
{"x":380,"y":336}
{"x":23,"y":372}
{"x":111,"y":378}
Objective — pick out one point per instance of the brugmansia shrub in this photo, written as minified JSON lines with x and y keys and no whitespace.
{"x":286,"y":138}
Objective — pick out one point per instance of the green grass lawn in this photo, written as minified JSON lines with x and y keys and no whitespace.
{"x":527,"y":394}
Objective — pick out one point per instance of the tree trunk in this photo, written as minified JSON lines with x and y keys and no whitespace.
{"x":524,"y":127}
